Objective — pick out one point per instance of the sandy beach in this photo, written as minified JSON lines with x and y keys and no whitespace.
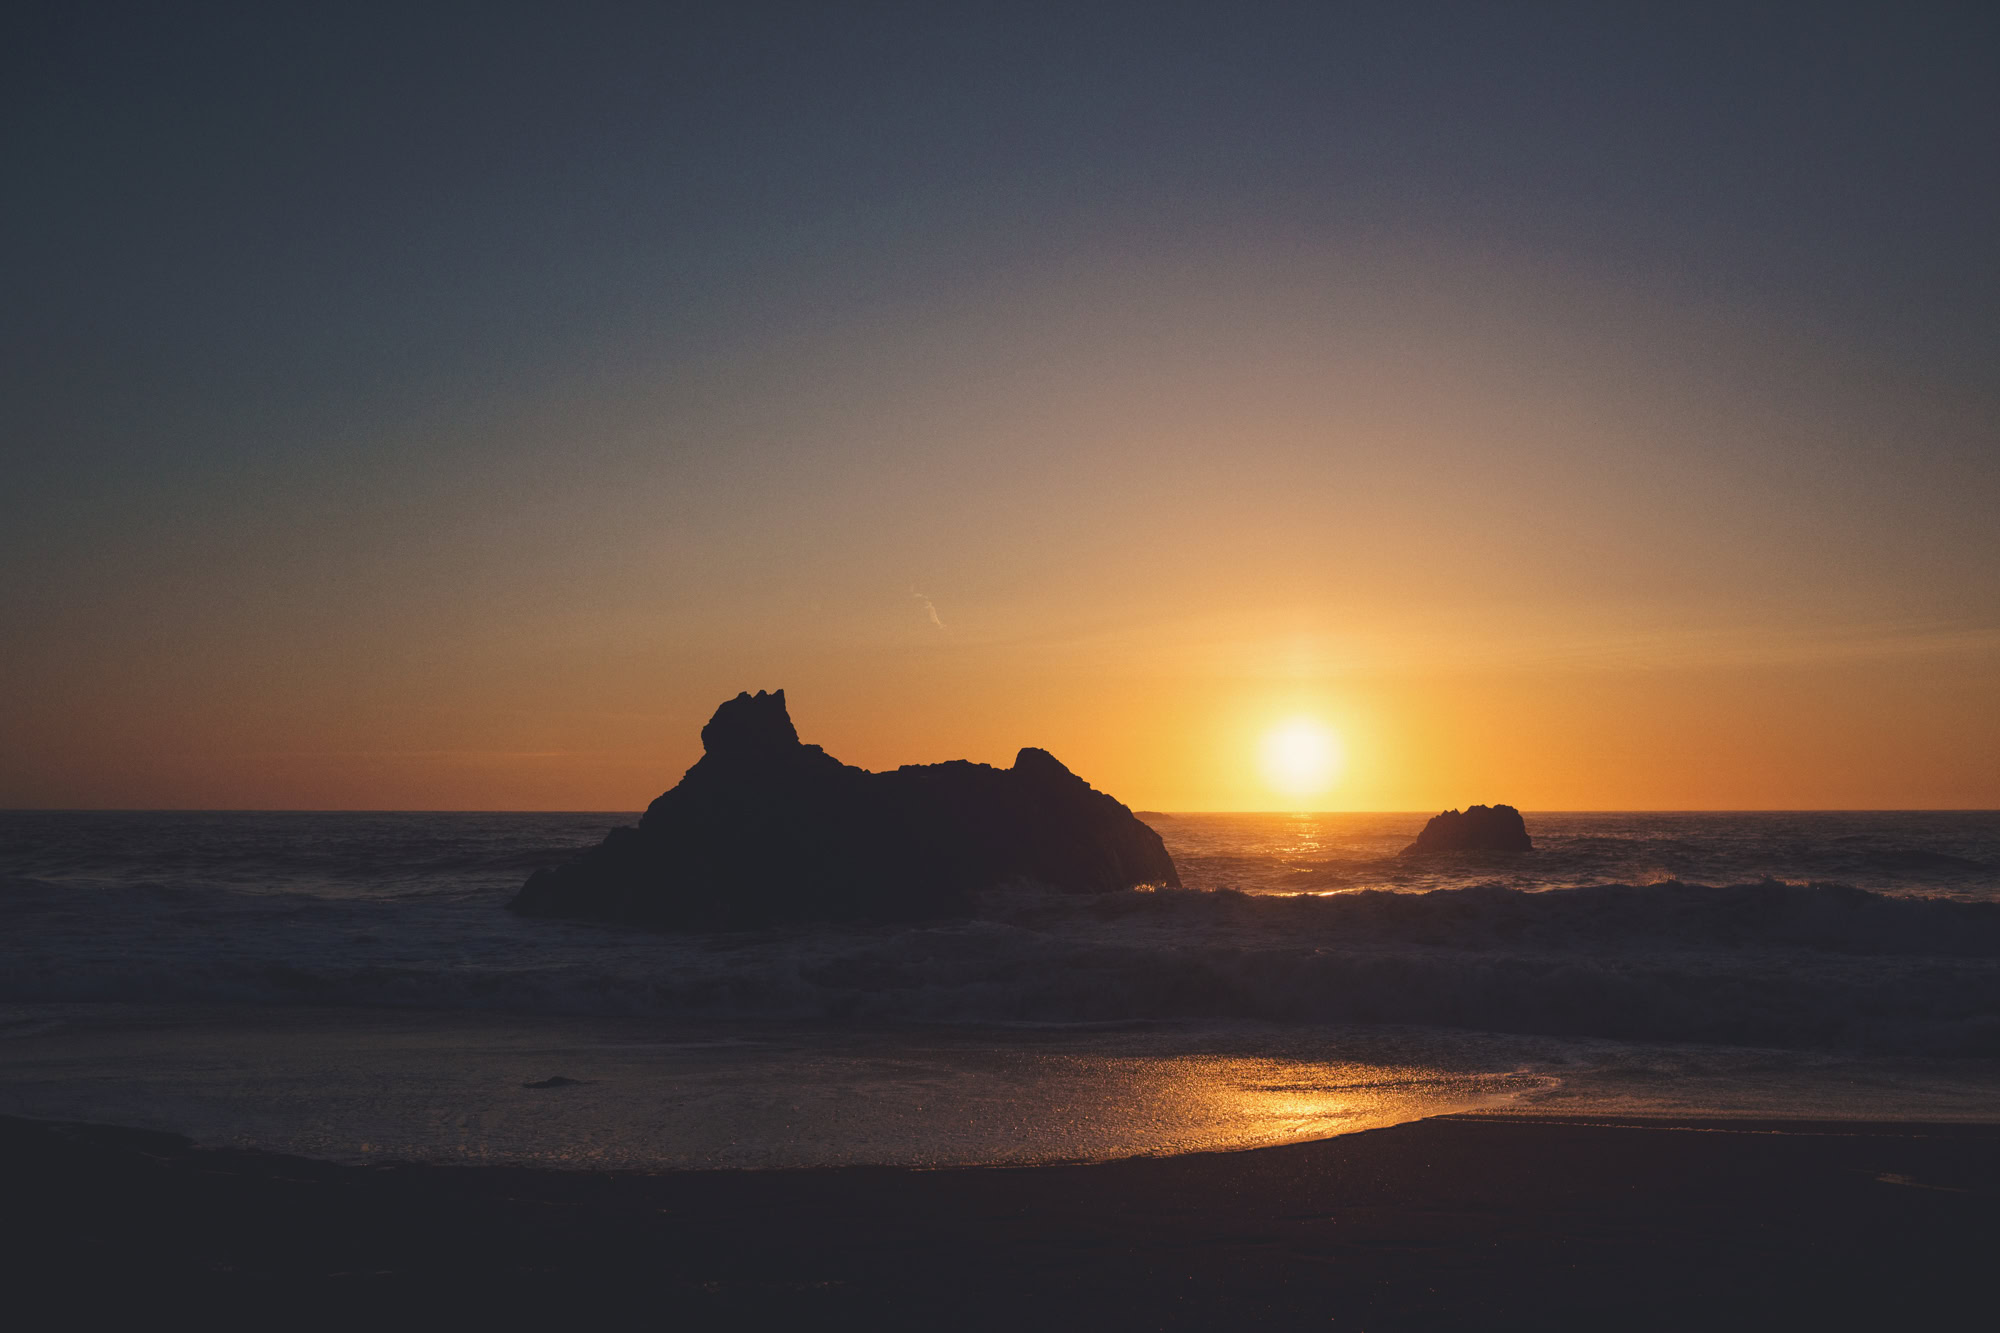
{"x":1451,"y":1222}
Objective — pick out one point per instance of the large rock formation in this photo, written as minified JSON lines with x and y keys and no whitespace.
{"x":765,"y":829}
{"x":1481,"y":828}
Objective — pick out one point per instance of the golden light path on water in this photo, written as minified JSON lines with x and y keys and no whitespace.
{"x":631,"y":1093}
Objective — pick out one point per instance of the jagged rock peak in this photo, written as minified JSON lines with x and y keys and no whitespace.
{"x":765,"y":830}
{"x":1480,"y":828}
{"x":1034,"y":760}
{"x":750,"y":724}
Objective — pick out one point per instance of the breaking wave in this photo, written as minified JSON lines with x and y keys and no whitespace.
{"x":1765,"y":963}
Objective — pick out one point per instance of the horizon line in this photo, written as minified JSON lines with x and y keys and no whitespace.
{"x":584,"y":810}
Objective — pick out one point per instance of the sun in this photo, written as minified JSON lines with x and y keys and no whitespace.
{"x":1301,"y":758}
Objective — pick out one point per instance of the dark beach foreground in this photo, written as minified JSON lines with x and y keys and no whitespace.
{"x":1455,"y":1222}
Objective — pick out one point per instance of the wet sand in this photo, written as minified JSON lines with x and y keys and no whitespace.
{"x":1453,"y":1222}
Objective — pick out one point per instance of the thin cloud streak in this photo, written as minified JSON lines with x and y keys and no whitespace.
{"x":929,"y":609}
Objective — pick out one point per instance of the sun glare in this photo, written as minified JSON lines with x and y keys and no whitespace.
{"x":1301,"y":758}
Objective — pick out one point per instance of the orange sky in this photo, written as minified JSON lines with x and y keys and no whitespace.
{"x":1514,"y":532}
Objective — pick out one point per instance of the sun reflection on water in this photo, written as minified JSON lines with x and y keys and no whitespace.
{"x":478,"y":1089}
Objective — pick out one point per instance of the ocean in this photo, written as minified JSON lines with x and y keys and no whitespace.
{"x":350,"y":985}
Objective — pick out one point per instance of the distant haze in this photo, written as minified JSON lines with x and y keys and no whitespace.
{"x":1579,"y":411}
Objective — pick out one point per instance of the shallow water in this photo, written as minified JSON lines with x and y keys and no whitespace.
{"x":591,"y":1092}
{"x":635,"y":1093}
{"x":350,"y":985}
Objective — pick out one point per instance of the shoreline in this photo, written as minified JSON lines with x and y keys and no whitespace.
{"x":372,"y":1085}
{"x":1503,"y":1220}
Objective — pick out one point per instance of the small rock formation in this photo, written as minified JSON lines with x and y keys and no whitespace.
{"x":1482,"y":828}
{"x":764,"y":829}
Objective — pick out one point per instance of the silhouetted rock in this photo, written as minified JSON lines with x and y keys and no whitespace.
{"x":765,"y":829}
{"x":1482,"y":828}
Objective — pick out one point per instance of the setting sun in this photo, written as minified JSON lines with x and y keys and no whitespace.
{"x":1301,"y":758}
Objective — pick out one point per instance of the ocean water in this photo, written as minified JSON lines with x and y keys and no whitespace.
{"x":349,"y":985}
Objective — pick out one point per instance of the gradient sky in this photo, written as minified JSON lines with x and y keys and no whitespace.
{"x":1579,"y":406}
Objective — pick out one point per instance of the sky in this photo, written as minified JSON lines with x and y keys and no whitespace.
{"x":436,"y":407}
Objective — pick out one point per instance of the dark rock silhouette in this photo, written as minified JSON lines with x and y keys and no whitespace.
{"x":1482,"y":828}
{"x":764,"y":829}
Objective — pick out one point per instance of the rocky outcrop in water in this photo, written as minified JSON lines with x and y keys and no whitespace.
{"x":1482,"y":828}
{"x":765,"y":829}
